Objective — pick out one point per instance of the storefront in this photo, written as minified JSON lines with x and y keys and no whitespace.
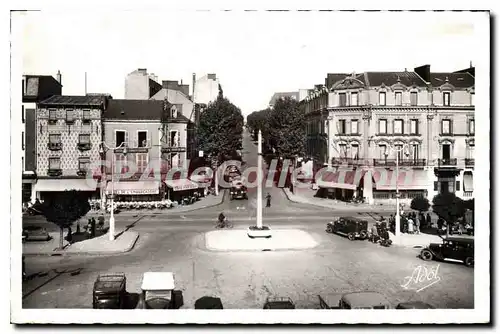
{"x":410,"y":184}
{"x":136,"y":191}
{"x":178,"y":189}
{"x":203,"y":182}
{"x":340,"y":185}
{"x":45,"y":186}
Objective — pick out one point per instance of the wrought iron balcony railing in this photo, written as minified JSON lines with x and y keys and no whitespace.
{"x":469,"y":162}
{"x":447,"y":162}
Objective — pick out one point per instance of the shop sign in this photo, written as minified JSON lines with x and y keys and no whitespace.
{"x":137,"y":192}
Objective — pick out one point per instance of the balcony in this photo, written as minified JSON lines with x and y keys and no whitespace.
{"x":447,"y":162}
{"x":55,"y":146}
{"x":84,"y":146}
{"x":347,"y":161}
{"x":401,"y":163}
{"x":173,"y":147}
{"x":469,"y":162}
{"x":54,"y":172}
{"x":81,"y":173}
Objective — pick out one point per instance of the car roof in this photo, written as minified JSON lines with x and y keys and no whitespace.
{"x":365,"y":299}
{"x":158,"y":281}
{"x":460,"y":239}
{"x":353,"y":219}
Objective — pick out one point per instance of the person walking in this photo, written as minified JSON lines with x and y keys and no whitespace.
{"x":417,"y":224}
{"x":428,"y":220}
{"x":268,"y":200}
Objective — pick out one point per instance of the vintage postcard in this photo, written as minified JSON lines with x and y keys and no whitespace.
{"x":204,"y":167}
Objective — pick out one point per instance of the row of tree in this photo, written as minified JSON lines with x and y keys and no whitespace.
{"x":283,"y":128}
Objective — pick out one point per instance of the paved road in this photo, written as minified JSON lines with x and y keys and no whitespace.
{"x":175,"y":242}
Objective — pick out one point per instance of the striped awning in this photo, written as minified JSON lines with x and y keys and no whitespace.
{"x":468,"y":182}
{"x":66,"y":185}
{"x":134,"y":187}
{"x":407,"y":179}
{"x":183,"y":184}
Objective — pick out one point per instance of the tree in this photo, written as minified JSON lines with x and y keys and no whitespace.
{"x":420,"y":204}
{"x":287,"y":133}
{"x":448,"y":207}
{"x":220,"y":130}
{"x":64,"y":208}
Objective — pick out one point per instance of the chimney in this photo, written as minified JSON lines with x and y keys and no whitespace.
{"x":194,"y":83}
{"x":58,"y":77}
{"x":470,"y":64}
{"x":143,"y":70}
{"x":424,"y":71}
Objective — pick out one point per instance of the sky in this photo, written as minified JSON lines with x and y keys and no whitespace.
{"x":254,"y":54}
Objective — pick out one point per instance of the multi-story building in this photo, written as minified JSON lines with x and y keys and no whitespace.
{"x":36,"y":88}
{"x":205,"y":89}
{"x":277,"y":96}
{"x":141,"y":85}
{"x":68,"y":137}
{"x":364,"y":120}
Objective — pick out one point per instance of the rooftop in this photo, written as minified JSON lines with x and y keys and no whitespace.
{"x":134,"y":110}
{"x":158,"y":281}
{"x":280,"y":95}
{"x":67,"y":100}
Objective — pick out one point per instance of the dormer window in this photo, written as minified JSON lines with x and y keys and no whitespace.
{"x":381,"y":98}
{"x":399,"y":98}
{"x":342,"y":99}
{"x":354,"y":99}
{"x":413,"y":98}
{"x":446,"y":98}
{"x":173,"y":112}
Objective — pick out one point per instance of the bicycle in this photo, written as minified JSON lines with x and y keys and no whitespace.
{"x":224,"y":224}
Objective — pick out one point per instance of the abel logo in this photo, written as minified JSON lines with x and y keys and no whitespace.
{"x":422,"y":278}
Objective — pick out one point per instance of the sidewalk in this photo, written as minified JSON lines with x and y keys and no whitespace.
{"x":415,"y":240}
{"x":306,"y":196}
{"x":124,"y":242}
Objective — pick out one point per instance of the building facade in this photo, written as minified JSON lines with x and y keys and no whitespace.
{"x":362,"y":121}
{"x":294,"y":95}
{"x":68,"y":137}
{"x":141,"y":85}
{"x":36,"y":88}
{"x":206,"y":88}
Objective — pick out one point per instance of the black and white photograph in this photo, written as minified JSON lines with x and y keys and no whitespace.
{"x":221,"y":164}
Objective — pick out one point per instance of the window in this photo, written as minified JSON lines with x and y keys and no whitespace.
{"x":399,"y":98}
{"x":22,"y":115}
{"x":22,"y":140}
{"x":398,"y":126}
{"x":142,"y":162}
{"x":446,"y":127}
{"x":22,"y":163}
{"x":470,"y":150}
{"x":83,"y":164}
{"x":343,"y":150}
{"x":54,"y":139}
{"x":120,"y":137}
{"x":415,"y":151}
{"x":120,"y":163}
{"x":86,"y":116}
{"x":399,"y":151}
{"x":342,"y":99}
{"x":382,"y":126}
{"x":381,"y":98}
{"x":446,"y":98}
{"x":70,"y":116}
{"x":382,"y":148}
{"x":355,"y":151}
{"x":142,"y":138}
{"x":84,"y":139}
{"x":354,"y":127}
{"x":354,"y":99}
{"x":413,"y":98}
{"x":173,"y":112}
{"x":471,"y":126}
{"x":174,"y":141}
{"x":52,"y":115}
{"x":414,"y":126}
{"x":54,"y":163}
{"x":342,"y":128}
{"x":457,"y":188}
{"x":472,"y":99}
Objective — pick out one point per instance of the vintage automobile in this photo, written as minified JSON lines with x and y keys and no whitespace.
{"x":238,"y":190}
{"x":157,"y":292}
{"x":35,"y":233}
{"x":414,"y":305}
{"x":451,"y":249}
{"x":353,"y":228}
{"x":279,"y":303}
{"x":355,"y":300}
{"x":110,"y":291}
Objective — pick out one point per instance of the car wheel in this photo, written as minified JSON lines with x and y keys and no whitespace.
{"x":351,"y":236}
{"x":469,"y":261}
{"x":363,"y":235}
{"x":426,"y":255}
{"x":329,"y":230}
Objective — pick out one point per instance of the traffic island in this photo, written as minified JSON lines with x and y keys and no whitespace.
{"x":238,"y":240}
{"x":259,"y":232}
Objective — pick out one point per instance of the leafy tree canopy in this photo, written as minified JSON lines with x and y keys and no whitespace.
{"x":448,"y":206}
{"x":259,"y":120}
{"x":420,"y":204}
{"x":220,"y":129}
{"x":64,"y":208}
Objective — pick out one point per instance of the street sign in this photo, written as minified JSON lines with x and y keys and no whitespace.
{"x":200,"y":154}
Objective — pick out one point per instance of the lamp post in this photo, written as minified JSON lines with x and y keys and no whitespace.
{"x":105,"y":148}
{"x":397,"y":149}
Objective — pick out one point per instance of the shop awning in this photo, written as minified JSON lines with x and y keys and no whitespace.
{"x":407,"y":180}
{"x":66,"y":185}
{"x":339,"y":179}
{"x":468,"y":182}
{"x":184,"y":184}
{"x":134,"y":187}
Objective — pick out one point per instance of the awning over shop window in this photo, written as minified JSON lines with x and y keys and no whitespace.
{"x":134,"y":187}
{"x":184,"y":184}
{"x":468,"y":182}
{"x":407,"y":180}
{"x":66,"y":185}
{"x":339,"y":179}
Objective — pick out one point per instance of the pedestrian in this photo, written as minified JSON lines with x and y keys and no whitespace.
{"x":417,"y":224}
{"x":78,"y":231}
{"x":268,"y":202}
{"x":70,"y":235}
{"x":429,"y":220}
{"x":410,"y":225}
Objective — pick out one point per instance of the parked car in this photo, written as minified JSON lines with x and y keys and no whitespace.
{"x":414,"y":305}
{"x":356,"y":300}
{"x":238,"y":190}
{"x":279,"y":303}
{"x":110,"y":291}
{"x":158,"y":292}
{"x":351,"y":227}
{"x":35,"y":233}
{"x":451,"y":249}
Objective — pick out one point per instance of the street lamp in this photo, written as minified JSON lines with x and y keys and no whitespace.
{"x":398,"y":148}
{"x":105,"y":148}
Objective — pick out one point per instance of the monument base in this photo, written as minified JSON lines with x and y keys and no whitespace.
{"x":256,"y":232}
